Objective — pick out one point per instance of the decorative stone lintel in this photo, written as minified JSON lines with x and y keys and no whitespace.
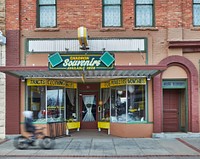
{"x":112,"y":29}
{"x":145,"y":28}
{"x":46,"y":29}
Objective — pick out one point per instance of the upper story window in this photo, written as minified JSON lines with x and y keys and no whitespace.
{"x":46,"y":13}
{"x":144,"y":13}
{"x":112,"y":13}
{"x":196,"y":12}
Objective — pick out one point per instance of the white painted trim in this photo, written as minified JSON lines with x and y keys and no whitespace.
{"x":61,"y":45}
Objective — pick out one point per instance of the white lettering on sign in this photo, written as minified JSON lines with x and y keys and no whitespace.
{"x":92,"y":62}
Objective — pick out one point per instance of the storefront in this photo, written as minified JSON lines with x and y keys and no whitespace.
{"x":118,"y":89}
{"x":113,"y":86}
{"x":116,"y":98}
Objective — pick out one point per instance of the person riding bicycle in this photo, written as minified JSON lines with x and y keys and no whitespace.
{"x":29,"y":127}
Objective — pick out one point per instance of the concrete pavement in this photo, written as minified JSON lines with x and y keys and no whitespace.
{"x":109,"y":147}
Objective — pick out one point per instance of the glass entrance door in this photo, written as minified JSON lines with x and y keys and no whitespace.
{"x":88,"y":111}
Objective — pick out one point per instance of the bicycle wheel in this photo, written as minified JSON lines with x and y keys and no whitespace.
{"x":21,"y":142}
{"x":47,"y":143}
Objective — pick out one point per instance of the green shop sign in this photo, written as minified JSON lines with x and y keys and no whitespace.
{"x":81,"y":61}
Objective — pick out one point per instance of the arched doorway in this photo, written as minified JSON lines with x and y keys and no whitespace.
{"x":191,"y":94}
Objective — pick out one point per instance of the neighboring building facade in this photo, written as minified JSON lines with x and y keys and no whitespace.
{"x":139,"y":76}
{"x":2,"y":75}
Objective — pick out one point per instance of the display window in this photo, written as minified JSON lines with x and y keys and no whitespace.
{"x":55,"y":104}
{"x":36,"y":102}
{"x":71,"y":114}
{"x":51,"y":100}
{"x":118,"y":104}
{"x":104,"y":105}
{"x":136,"y":103}
{"x":126,"y":100}
{"x":47,"y":103}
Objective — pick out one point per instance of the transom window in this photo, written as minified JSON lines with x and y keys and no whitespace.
{"x":112,"y":13}
{"x":46,"y":13}
{"x":196,"y":12}
{"x":144,"y":13}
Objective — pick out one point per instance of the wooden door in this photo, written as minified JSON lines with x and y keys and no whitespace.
{"x":171,"y":100}
{"x":88,"y":108}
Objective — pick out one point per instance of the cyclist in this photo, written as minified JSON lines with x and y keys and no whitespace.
{"x":29,"y":127}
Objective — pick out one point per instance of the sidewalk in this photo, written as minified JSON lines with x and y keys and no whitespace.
{"x":108,"y":147}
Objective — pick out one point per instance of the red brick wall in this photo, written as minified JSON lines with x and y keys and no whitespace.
{"x":12,"y":58}
{"x":12,"y":47}
{"x":72,"y":14}
{"x":157,"y":104}
{"x":12,"y":14}
{"x":187,"y":14}
{"x":12,"y":105}
{"x":173,"y":13}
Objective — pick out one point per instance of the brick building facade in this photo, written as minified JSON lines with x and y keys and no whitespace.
{"x":170,"y":49}
{"x":2,"y":75}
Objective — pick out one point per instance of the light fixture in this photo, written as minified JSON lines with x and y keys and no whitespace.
{"x":148,"y":78}
{"x":83,"y":77}
{"x":83,"y":38}
{"x":100,"y":103}
{"x":22,"y":79}
{"x":66,"y":49}
{"x":131,"y":89}
{"x":119,"y":92}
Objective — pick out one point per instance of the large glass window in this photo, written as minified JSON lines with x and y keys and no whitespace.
{"x":128,"y":103}
{"x":118,"y":104}
{"x":47,"y":105}
{"x":71,"y":114}
{"x":55,"y":104}
{"x":104,"y":110}
{"x":36,"y":102}
{"x":46,"y":13}
{"x":112,"y":11}
{"x":144,"y":13}
{"x":136,"y":103}
{"x":196,"y":12}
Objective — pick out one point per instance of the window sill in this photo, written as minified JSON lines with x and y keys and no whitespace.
{"x":146,"y":28}
{"x":46,"y":29}
{"x":112,"y":29}
{"x":195,"y":28}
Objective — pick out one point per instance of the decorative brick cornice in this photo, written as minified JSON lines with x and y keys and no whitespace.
{"x":183,"y":44}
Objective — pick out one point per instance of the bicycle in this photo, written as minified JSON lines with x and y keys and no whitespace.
{"x":45,"y":142}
